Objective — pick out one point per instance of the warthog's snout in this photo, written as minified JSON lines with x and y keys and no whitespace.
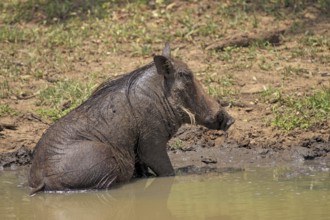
{"x":220,"y":121}
{"x":226,"y":123}
{"x":225,"y":120}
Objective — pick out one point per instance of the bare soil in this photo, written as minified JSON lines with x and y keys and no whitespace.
{"x":250,"y":142}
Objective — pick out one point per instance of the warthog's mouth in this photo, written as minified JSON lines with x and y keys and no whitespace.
{"x":222,"y":121}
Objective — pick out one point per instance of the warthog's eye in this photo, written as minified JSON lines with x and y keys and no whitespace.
{"x":185,"y":74}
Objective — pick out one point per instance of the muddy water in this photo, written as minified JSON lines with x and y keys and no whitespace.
{"x":275,"y":193}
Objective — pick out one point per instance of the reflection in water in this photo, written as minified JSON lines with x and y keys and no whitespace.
{"x":145,"y":199}
{"x":247,"y":195}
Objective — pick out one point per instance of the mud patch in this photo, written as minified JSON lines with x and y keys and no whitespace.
{"x":20,"y":157}
{"x":192,"y":169}
{"x":216,"y":151}
{"x":314,"y":148}
{"x":195,"y":149}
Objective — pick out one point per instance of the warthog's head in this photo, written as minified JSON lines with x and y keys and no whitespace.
{"x":188,"y":96}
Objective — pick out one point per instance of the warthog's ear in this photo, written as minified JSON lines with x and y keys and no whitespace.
{"x":164,"y":66}
{"x":167,"y":50}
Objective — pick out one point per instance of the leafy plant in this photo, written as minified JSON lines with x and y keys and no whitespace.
{"x":177,"y":145}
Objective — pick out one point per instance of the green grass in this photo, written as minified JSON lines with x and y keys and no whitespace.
{"x":265,"y":65}
{"x":5,"y":110}
{"x":325,"y":6}
{"x":5,"y":90}
{"x":238,"y":10}
{"x":315,"y":41}
{"x":71,"y":23}
{"x":49,"y":11}
{"x":228,"y":54}
{"x":292,"y":71}
{"x":292,"y":111}
{"x":220,"y":86}
{"x":177,"y":145}
{"x":271,"y":94}
{"x":15,"y":34}
{"x":58,"y":99}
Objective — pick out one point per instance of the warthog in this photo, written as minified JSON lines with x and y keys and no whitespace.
{"x":123,"y":128}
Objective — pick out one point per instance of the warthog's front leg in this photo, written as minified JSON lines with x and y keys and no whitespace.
{"x":152,"y":152}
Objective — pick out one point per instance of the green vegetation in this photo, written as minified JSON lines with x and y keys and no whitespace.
{"x":5,"y":110}
{"x":4,"y":89}
{"x":52,"y":11}
{"x":264,"y":65}
{"x":62,"y":97}
{"x":177,"y":145}
{"x":220,"y":86}
{"x":315,"y":41}
{"x":304,"y":111}
{"x":291,"y":71}
{"x":14,"y":34}
{"x":325,"y":6}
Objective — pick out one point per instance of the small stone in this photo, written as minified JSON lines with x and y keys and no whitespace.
{"x":323,"y":131}
{"x":249,"y":109}
{"x":209,"y":160}
{"x":252,"y":89}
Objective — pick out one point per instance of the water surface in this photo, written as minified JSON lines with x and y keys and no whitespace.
{"x":251,"y":194}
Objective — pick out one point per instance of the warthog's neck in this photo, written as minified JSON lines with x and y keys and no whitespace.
{"x":152,"y":106}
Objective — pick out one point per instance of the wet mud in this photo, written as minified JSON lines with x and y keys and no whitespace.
{"x":201,"y":147}
{"x":197,"y":150}
{"x":20,"y":157}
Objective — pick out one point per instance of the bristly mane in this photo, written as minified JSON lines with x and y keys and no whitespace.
{"x":126,"y":80}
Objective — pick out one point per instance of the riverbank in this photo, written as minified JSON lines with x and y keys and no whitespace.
{"x":197,"y":150}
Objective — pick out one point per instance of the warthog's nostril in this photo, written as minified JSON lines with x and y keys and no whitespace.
{"x":226,"y":122}
{"x":230,"y":121}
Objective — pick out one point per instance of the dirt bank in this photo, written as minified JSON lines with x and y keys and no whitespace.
{"x":200,"y":147}
{"x":196,"y":149}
